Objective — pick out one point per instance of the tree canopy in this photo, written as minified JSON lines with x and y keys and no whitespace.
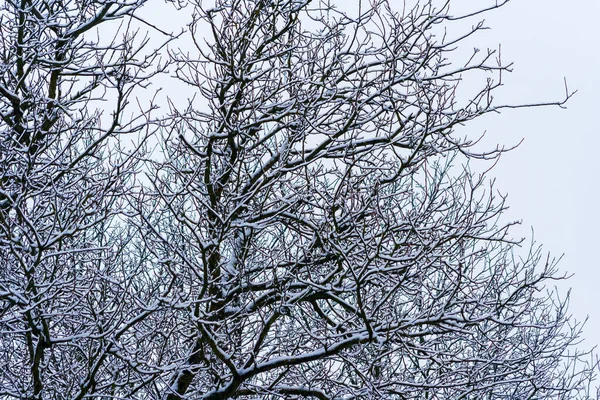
{"x":307,"y":223}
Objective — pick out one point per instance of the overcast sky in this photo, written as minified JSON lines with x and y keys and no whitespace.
{"x":552,"y":178}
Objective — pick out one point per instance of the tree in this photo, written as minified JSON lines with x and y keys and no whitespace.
{"x":64,"y":179}
{"x":307,"y":226}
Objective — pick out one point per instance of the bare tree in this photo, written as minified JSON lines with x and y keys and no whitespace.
{"x":308,"y":226}
{"x":64,"y":296}
{"x":326,"y":241}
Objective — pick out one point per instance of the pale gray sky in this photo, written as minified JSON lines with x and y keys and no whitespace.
{"x":552,"y":178}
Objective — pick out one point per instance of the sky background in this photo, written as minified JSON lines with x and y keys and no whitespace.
{"x":552,"y":178}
